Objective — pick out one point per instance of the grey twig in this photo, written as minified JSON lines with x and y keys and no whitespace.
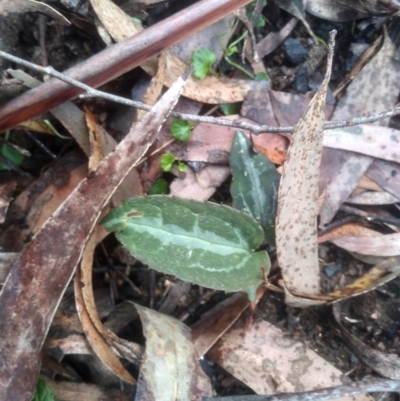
{"x":254,"y":128}
{"x":368,"y":385}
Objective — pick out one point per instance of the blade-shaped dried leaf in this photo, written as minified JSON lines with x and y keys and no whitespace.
{"x":170,"y":369}
{"x":39,"y":277}
{"x":380,"y":245}
{"x":296,"y":226}
{"x":380,"y":142}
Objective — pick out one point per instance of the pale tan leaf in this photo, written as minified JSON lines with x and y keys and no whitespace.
{"x":379,"y":245}
{"x":296,"y":229}
{"x":373,"y":90}
{"x":269,"y":361}
{"x":170,"y":369}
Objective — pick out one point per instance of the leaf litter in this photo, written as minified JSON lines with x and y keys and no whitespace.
{"x":200,"y":150}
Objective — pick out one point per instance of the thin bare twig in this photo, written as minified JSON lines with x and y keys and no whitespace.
{"x":372,"y":384}
{"x":254,"y":128}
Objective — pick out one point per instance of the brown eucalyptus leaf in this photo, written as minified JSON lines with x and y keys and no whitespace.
{"x":296,"y":226}
{"x":39,"y":277}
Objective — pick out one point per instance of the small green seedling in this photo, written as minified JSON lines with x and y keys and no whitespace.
{"x":202,"y":60}
{"x":11,"y":154}
{"x":260,"y":21}
{"x":43,"y":392}
{"x":181,"y":130}
{"x":230,"y":108}
{"x":207,"y":244}
{"x":168,"y":160}
{"x":160,"y":187}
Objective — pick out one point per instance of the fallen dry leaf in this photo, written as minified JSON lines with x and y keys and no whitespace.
{"x":296,"y":220}
{"x":170,"y":368}
{"x":373,"y":90}
{"x":211,"y":89}
{"x":58,"y":247}
{"x":370,"y":140}
{"x":380,"y":245}
{"x":39,"y":200}
{"x":269,"y":361}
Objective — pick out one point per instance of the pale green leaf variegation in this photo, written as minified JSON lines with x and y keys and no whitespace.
{"x":204,"y":243}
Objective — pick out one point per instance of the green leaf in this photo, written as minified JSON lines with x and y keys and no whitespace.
{"x":181,"y":130}
{"x":260,"y":22}
{"x":43,"y":392}
{"x":10,"y":154}
{"x":204,"y":243}
{"x":230,"y":108}
{"x":167,"y":161}
{"x":202,"y":61}
{"x":160,"y":187}
{"x":262,"y":76}
{"x":181,"y":166}
{"x":255,"y":184}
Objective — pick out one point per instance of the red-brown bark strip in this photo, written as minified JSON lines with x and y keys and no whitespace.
{"x":116,"y":60}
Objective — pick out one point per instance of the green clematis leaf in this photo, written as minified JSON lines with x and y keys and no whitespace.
{"x":204,"y":243}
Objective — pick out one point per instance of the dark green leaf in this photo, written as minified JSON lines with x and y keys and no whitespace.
{"x":255,"y":184}
{"x":181,"y":130}
{"x":12,"y":155}
{"x":43,"y":392}
{"x":204,"y":243}
{"x":230,"y":108}
{"x":167,"y":161}
{"x":160,"y":187}
{"x":202,"y":61}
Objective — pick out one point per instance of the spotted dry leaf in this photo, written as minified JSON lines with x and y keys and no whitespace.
{"x":296,"y":225}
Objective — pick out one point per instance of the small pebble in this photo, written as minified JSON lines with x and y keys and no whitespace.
{"x":295,"y":51}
